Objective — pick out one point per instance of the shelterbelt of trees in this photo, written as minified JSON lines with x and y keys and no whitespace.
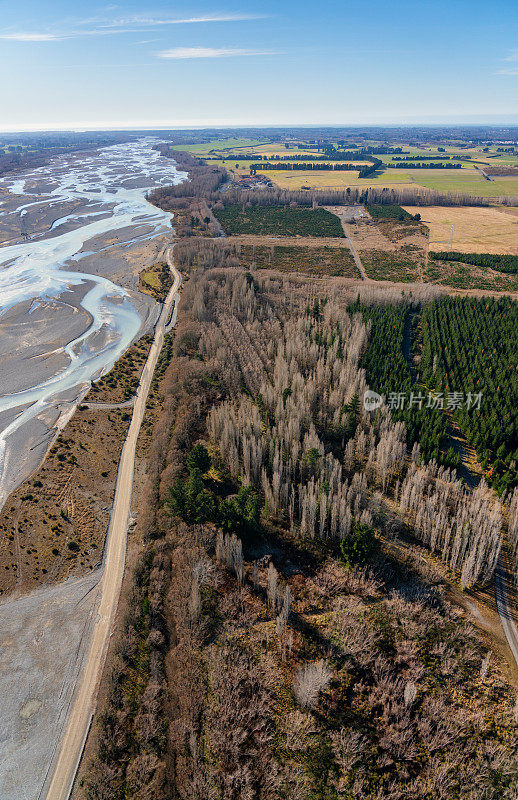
{"x":207,"y":184}
{"x":286,"y":638}
{"x":427,"y":165}
{"x":370,"y":169}
{"x":503,"y":263}
{"x":335,"y":152}
{"x":425,"y":158}
{"x":301,"y":165}
{"x":353,"y":155}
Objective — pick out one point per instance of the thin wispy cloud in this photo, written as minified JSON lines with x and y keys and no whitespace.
{"x":152,"y":22}
{"x":512,"y":57}
{"x":32,"y":37}
{"x":211,"y":52}
{"x":129,"y":24}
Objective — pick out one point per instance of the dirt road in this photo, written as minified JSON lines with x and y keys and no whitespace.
{"x":356,"y":256}
{"x":83,"y":707}
{"x":342,"y":216}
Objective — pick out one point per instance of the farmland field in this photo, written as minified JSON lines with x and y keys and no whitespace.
{"x":236,"y":219}
{"x":279,"y":149}
{"x":475,"y":230}
{"x":466,"y":180}
{"x":288,"y":179}
{"x":217,"y":144}
{"x":463,"y":181}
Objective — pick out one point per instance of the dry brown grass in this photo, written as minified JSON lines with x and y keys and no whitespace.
{"x":367,"y":236}
{"x":54,"y":524}
{"x":321,"y":179}
{"x":475,"y":230}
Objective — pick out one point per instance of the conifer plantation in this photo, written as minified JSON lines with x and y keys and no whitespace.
{"x":471,"y":346}
{"x":388,"y":367}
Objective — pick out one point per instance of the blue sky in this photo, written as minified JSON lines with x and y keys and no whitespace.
{"x":241,"y":63}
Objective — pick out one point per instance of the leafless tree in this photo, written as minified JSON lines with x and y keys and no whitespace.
{"x":310,"y":680}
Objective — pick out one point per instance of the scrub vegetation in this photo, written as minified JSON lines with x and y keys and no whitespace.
{"x":325,"y":260}
{"x":236,"y":219}
{"x":502,"y":263}
{"x":288,"y":637}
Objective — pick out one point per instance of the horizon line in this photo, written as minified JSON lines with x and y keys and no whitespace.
{"x":79,"y":127}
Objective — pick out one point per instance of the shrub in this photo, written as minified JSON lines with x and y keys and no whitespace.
{"x":309,"y":681}
{"x":360,"y":546}
{"x":199,"y":458}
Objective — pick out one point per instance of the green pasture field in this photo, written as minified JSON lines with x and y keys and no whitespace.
{"x":279,"y":149}
{"x":226,"y":164}
{"x":410,"y":151}
{"x":242,"y":163}
{"x":502,"y":159}
{"x":469,"y":183}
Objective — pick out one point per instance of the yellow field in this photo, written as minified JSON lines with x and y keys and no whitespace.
{"x":320,"y":179}
{"x":475,"y":230}
{"x":278,"y":149}
{"x":218,"y":144}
